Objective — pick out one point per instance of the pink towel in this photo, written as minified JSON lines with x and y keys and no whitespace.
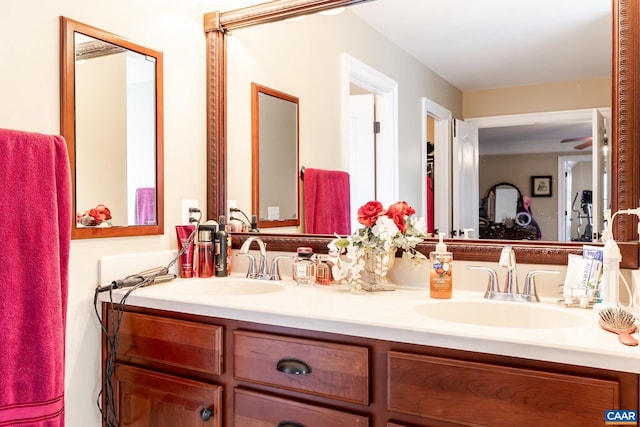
{"x":35,"y":233}
{"x":327,"y":202}
{"x":146,"y":206}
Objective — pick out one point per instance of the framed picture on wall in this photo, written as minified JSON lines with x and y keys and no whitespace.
{"x":541,"y":186}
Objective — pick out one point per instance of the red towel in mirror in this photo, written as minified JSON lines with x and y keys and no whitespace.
{"x":35,"y":233}
{"x":327,"y":202}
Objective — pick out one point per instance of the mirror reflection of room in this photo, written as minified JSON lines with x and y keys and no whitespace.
{"x":321,"y":141}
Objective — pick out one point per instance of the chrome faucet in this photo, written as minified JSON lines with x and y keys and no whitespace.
{"x":510,"y":291}
{"x":508,"y":260}
{"x":263,"y":272}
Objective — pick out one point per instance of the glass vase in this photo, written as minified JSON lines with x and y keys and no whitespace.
{"x":377,"y":265}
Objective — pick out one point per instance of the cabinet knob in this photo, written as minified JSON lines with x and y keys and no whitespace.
{"x":206,"y":414}
{"x":289,"y":424}
{"x":293,"y":366}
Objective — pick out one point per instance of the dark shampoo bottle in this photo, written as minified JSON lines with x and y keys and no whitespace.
{"x":221,"y":249}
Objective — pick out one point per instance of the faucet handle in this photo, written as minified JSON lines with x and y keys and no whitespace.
{"x":530,"y":285}
{"x":251,"y":271}
{"x":275,"y":266}
{"x":493,"y":279}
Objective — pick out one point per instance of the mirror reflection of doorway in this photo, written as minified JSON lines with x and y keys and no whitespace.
{"x":371,"y":133}
{"x":576,"y":192}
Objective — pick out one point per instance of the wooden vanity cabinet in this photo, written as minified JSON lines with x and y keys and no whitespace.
{"x":173,"y":366}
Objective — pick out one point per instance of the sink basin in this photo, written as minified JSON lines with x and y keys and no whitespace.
{"x":503,"y":314}
{"x":226,"y":287}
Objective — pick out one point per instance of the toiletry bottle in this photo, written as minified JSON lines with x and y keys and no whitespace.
{"x":229,"y":253}
{"x":205,"y":251}
{"x":609,"y":283}
{"x":323,"y":270}
{"x":222,"y":246}
{"x":304,"y":268}
{"x":440,"y":275}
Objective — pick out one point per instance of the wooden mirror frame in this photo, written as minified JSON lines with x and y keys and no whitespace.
{"x":67,"y":125}
{"x":625,"y":150}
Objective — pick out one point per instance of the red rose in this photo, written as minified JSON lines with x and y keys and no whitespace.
{"x":397,"y":212}
{"x":104,"y":211}
{"x":369,"y":213}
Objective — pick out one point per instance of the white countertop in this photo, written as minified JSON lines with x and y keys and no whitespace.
{"x":400,"y":316}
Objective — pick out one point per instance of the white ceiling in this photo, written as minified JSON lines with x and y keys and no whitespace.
{"x":500,"y":43}
{"x":485,"y":44}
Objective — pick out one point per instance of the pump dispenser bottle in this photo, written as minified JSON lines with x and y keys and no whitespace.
{"x":609,"y":284}
{"x":441,"y":274}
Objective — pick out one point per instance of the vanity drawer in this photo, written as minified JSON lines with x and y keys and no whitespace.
{"x":464,"y":392}
{"x":336,"y":371}
{"x":257,"y":409}
{"x":171,"y":343}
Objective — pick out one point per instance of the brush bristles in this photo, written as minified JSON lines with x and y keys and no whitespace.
{"x":617,"y":318}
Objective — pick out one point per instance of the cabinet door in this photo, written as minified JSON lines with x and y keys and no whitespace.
{"x":146,"y":398}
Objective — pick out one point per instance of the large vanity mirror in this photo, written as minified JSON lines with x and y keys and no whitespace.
{"x":111,"y":118}
{"x":623,"y":140}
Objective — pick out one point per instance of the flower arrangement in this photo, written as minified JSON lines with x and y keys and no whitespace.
{"x":96,"y":216}
{"x":384,"y":231}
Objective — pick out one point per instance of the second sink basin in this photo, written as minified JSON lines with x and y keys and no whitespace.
{"x":503,"y":314}
{"x":226,"y":287}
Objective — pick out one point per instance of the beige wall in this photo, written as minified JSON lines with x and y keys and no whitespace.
{"x":570,"y":95}
{"x":30,"y":85}
{"x":308,"y":66}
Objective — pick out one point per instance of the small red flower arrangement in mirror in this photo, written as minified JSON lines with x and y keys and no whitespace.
{"x":95,"y":216}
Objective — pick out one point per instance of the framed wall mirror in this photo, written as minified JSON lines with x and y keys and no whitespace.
{"x":623,"y":140}
{"x":274,"y":135}
{"x":111,"y":117}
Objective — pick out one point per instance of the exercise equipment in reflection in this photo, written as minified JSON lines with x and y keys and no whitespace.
{"x":584,"y":214}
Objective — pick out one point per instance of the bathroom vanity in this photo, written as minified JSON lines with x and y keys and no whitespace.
{"x":234,"y":352}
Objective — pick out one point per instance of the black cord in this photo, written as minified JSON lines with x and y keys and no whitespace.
{"x":107,"y":393}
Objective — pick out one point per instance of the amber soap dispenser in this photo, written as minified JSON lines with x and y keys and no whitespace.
{"x":440,"y":272}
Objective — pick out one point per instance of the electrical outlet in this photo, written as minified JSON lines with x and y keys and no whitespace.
{"x":186,"y":204}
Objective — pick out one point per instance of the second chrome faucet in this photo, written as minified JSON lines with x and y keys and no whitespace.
{"x":511,"y":292}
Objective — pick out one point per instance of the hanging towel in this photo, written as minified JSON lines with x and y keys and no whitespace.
{"x":146,"y":206}
{"x":327,"y":202}
{"x":35,"y":232}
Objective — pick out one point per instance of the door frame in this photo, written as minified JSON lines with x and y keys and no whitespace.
{"x":442,"y":164}
{"x":385,"y":91}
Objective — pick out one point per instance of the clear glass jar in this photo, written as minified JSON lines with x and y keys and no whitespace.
{"x":304,"y":268}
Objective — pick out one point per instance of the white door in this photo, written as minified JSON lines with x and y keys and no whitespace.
{"x":598,"y":174}
{"x":361,"y":152}
{"x":466,"y":187}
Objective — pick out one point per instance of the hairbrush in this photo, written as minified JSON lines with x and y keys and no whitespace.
{"x":621,"y":322}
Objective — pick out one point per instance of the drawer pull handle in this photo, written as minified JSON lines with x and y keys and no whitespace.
{"x":289,"y":424}
{"x":293,"y":366}
{"x":206,"y":414}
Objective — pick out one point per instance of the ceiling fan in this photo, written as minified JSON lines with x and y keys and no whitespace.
{"x":588,"y":140}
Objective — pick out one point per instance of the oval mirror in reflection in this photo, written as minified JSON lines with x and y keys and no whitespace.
{"x":112,"y":121}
